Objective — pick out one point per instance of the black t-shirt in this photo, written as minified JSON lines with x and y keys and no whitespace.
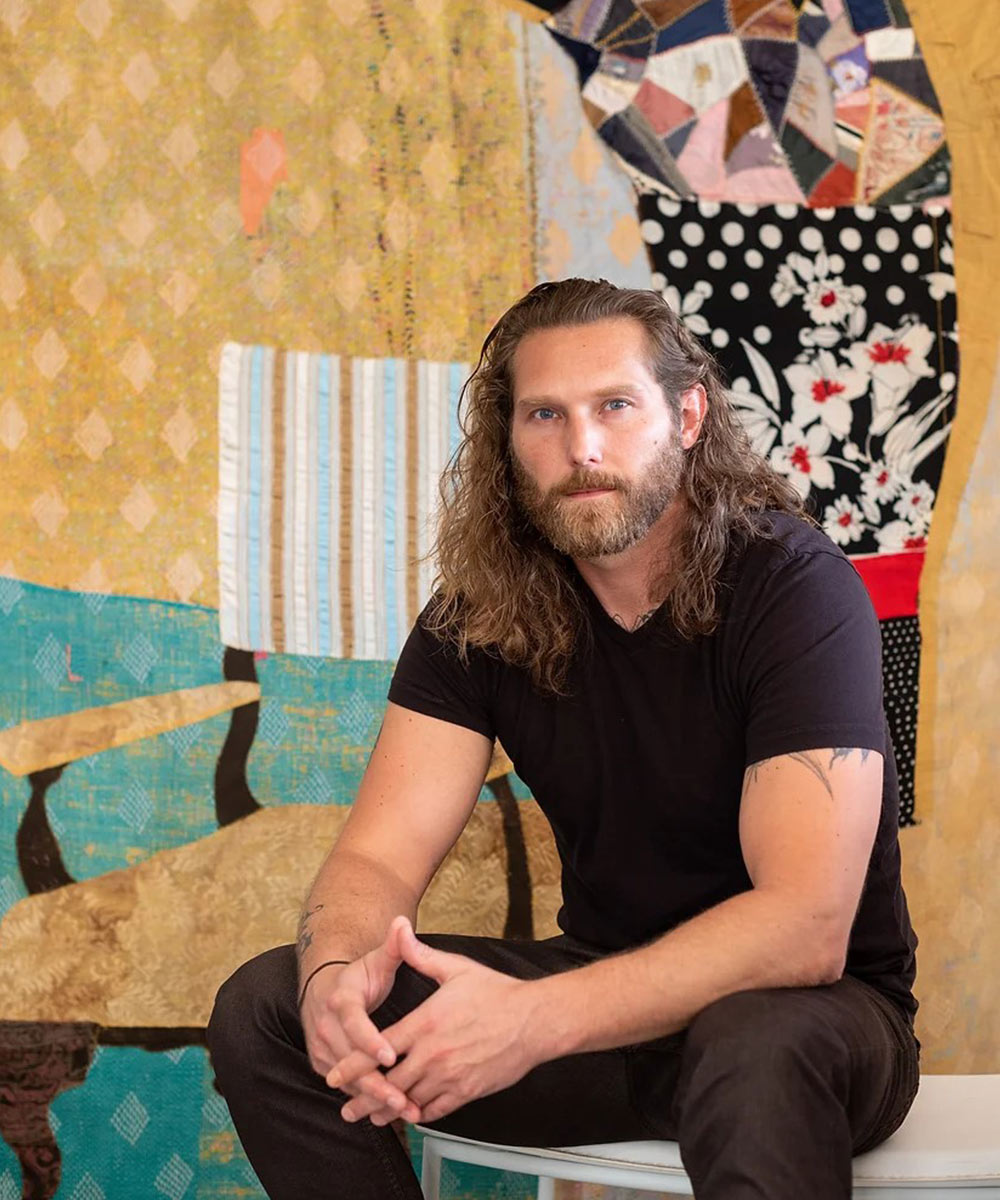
{"x":640,"y":769}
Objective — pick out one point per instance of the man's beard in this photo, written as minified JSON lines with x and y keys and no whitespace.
{"x":604,"y":525}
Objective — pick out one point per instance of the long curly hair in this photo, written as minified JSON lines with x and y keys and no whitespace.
{"x":499,"y":585}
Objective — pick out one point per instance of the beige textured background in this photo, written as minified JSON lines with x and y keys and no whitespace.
{"x":950,"y":859}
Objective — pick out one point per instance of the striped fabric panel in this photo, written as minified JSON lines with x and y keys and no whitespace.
{"x":329,"y":473}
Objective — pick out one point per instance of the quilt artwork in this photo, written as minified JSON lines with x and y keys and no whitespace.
{"x":761,"y":100}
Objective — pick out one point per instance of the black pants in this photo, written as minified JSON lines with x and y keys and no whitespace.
{"x":768,"y":1092}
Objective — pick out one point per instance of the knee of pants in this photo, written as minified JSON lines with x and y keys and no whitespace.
{"x":759,"y":1043}
{"x":247,"y":1007}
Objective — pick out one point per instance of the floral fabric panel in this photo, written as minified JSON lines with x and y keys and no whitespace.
{"x":836,"y":328}
{"x":761,"y":101}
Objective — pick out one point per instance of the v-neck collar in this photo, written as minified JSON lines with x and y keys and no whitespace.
{"x":606,"y":622}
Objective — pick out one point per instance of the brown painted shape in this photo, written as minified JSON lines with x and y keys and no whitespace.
{"x":594,"y":113}
{"x":745,"y":113}
{"x":665,"y":12}
{"x":741,"y":11}
{"x":779,"y":22}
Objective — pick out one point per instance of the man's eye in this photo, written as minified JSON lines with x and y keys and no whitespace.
{"x":622,"y":403}
{"x":541,"y":414}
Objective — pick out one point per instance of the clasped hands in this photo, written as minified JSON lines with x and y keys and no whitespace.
{"x":470,"y":1038}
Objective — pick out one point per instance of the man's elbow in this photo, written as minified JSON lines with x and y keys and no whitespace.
{"x":826,"y":958}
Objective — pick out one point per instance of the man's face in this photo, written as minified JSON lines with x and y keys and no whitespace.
{"x":595,"y":452}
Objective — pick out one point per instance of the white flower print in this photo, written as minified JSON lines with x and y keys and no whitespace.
{"x":849,"y":76}
{"x":842,"y":520}
{"x":801,"y":457}
{"x":915,"y":504}
{"x":687,"y":308}
{"x":825,"y":296}
{"x":895,"y":359}
{"x":881,"y":482}
{"x":822,"y":389}
{"x":828,"y":301}
{"x":900,"y":535}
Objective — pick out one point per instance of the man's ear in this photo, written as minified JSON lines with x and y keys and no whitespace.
{"x":693,"y":407}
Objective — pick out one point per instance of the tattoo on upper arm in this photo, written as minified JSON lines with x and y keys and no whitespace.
{"x":305,"y":937}
{"x":811,"y":761}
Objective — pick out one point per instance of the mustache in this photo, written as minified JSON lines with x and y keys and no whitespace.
{"x":585,"y":481}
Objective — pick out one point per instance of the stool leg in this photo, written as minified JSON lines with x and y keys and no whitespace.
{"x":430,"y":1172}
{"x":546,"y":1187}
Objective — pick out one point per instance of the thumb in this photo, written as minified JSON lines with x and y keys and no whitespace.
{"x":391,"y":948}
{"x":436,"y":964}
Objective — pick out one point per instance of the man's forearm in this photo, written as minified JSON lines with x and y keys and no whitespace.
{"x":349,"y":908}
{"x":754,"y":940}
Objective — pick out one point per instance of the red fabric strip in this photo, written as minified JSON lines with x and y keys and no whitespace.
{"x":893,"y":581}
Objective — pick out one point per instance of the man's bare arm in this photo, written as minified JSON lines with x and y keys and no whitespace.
{"x":807,"y":826}
{"x":420,"y":786}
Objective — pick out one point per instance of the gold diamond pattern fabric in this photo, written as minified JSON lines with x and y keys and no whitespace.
{"x":339,"y":176}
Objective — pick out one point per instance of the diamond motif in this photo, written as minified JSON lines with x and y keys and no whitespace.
{"x":137,"y":224}
{"x":183,"y":739}
{"x":12,"y":285}
{"x":307,"y":78}
{"x":94,"y":586}
{"x":266,"y":281}
{"x":10,"y":893}
{"x":274,"y":724}
{"x":50,"y":661}
{"x":130,"y":1118}
{"x":185,"y":576}
{"x":89,"y":289}
{"x":225,"y":222}
{"x":14,"y":13}
{"x":50,"y":354}
{"x":215,"y":1112}
{"x":49,"y":511}
{"x":314,"y":789}
{"x":140,"y":76}
{"x":182,"y":9}
{"x":430,"y":10}
{"x":625,"y":240}
{"x":94,"y":16}
{"x":13,"y":426}
{"x":181,"y":147}
{"x":87,"y":1189}
{"x":47,"y":220}
{"x":267,"y":11}
{"x":348,"y":142}
{"x":349,"y":283}
{"x":308,"y":212}
{"x":225,"y":75}
{"x":91,"y":151}
{"x":11,"y":591}
{"x":53,"y":83}
{"x":356,"y":718}
{"x":395,"y":75}
{"x":180,"y":433}
{"x":178,"y":292}
{"x":139,"y":657}
{"x":13,"y":145}
{"x":438,"y":169}
{"x":176,"y":1054}
{"x":137,"y":365}
{"x":266,"y":155}
{"x":348,"y":11}
{"x":138,"y":508}
{"x":93,"y":435}
{"x":397,"y":224}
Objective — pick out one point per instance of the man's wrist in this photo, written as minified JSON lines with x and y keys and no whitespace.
{"x":314,"y":971}
{"x":551,"y":1032}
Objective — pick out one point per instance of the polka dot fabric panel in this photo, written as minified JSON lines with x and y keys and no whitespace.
{"x":901,"y":672}
{"x":836,"y":329}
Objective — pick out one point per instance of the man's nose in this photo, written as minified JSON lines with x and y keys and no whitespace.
{"x":585,"y":443}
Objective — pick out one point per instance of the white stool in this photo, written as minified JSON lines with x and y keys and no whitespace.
{"x":948,"y":1145}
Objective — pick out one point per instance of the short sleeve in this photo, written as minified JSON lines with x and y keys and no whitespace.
{"x":430,"y":678}
{"x":810,"y":664}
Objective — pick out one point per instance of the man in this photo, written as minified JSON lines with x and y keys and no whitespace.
{"x":686,"y":673}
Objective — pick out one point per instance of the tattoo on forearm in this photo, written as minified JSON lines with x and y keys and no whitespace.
{"x":811,"y":761}
{"x":305,"y":937}
{"x":636,"y":624}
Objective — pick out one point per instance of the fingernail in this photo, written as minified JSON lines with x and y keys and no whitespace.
{"x":347,"y":1114}
{"x":333,"y":1079}
{"x":386,"y":1057}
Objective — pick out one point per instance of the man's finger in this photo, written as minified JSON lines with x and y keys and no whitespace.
{"x":367,"y":1105}
{"x":442,"y":1106}
{"x":364,"y":1036}
{"x":436,"y":964}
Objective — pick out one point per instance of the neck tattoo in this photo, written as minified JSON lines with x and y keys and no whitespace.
{"x":636,"y":624}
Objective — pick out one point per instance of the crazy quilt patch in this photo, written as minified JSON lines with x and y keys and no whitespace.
{"x":836,"y":328}
{"x":814,"y":102}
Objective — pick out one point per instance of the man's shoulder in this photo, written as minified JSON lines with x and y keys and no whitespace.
{"x":781,"y":537}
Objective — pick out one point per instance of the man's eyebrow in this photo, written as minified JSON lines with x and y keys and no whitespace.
{"x":605,"y":393}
